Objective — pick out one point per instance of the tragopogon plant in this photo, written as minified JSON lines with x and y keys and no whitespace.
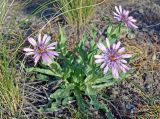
{"x":79,"y":69}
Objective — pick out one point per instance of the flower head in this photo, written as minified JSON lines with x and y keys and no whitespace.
{"x":42,"y":49}
{"x":112,"y":58}
{"x":123,"y":16}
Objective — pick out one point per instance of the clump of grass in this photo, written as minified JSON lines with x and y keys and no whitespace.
{"x":9,"y":89}
{"x":77,"y":12}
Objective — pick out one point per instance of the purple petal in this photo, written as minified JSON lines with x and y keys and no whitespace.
{"x":52,"y":44}
{"x":131,"y":19}
{"x":46,"y":59}
{"x":44,"y":37}
{"x":52,"y":53}
{"x":115,"y":14}
{"x":36,"y":58}
{"x":50,"y":48}
{"x":126,"y":56}
{"x":98,"y":56}
{"x":125,"y":66}
{"x":114,"y":46}
{"x":122,"y":68}
{"x":39,"y":39}
{"x":120,"y":9}
{"x":28,"y":50}
{"x":106,"y":69}
{"x":121,"y":50}
{"x":29,"y":53}
{"x":126,"y":12}
{"x":117,"y":10}
{"x":118,"y":45}
{"x":133,"y":25}
{"x":99,"y":60}
{"x":123,"y":61}
{"x":101,"y":47}
{"x":103,"y":65}
{"x":48,"y":39}
{"x":32,"y":41}
{"x":118,"y":18}
{"x":115,"y":72}
{"x":107,"y":41}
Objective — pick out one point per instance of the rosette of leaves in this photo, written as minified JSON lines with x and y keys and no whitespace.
{"x":80,"y":75}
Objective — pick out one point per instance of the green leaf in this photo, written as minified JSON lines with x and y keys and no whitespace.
{"x":57,"y":93}
{"x":88,"y":78}
{"x":109,"y":30}
{"x":54,"y":107}
{"x":97,"y":105}
{"x":62,"y":92}
{"x":42,"y":77}
{"x":43,"y":71}
{"x":107,"y":83}
{"x":104,"y":82}
{"x":104,"y":79}
{"x":110,"y":115}
{"x":116,"y":31}
{"x":62,"y":37}
{"x":79,"y":99}
{"x":113,"y":39}
{"x":66,"y":100}
{"x":56,"y":66}
{"x":60,"y":97}
{"x":122,"y":76}
{"x":90,"y":90}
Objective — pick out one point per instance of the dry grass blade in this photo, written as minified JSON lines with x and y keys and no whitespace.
{"x":3,"y":7}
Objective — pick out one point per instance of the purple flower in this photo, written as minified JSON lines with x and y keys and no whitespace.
{"x":123,"y":16}
{"x":42,"y":48}
{"x":112,"y":58}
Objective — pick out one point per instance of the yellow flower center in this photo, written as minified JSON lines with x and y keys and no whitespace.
{"x":40,"y":50}
{"x":112,"y":57}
